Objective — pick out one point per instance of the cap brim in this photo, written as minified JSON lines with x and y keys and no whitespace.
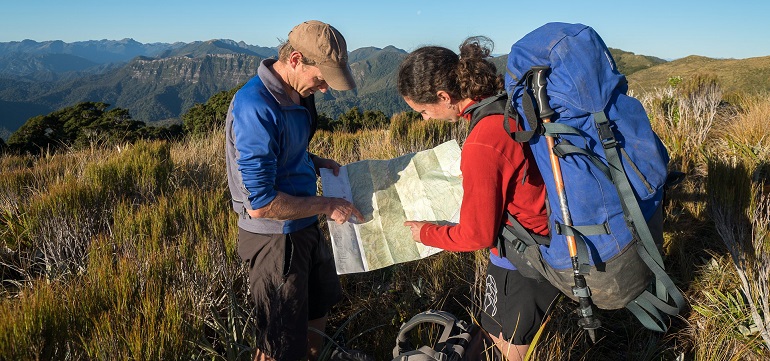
{"x":338,"y":78}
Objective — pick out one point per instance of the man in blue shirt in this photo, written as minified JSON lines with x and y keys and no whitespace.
{"x":272,"y":181}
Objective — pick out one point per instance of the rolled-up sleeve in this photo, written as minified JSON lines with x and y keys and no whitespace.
{"x":255,"y":132}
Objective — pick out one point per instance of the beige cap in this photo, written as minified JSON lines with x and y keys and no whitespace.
{"x":324,"y":45}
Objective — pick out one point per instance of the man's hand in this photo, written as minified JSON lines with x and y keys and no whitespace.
{"x":341,"y":211}
{"x":319,"y":163}
{"x":415,"y":227}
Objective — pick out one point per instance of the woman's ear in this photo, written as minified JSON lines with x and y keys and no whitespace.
{"x":444,"y":97}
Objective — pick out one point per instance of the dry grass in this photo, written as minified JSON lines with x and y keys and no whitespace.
{"x":739,"y":204}
{"x":130,"y":252}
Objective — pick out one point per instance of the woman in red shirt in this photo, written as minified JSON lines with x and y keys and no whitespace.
{"x":499,"y":175}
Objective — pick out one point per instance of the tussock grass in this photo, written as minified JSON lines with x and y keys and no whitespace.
{"x":130,"y":252}
{"x":683,"y":116}
{"x":739,"y":198}
{"x":409,"y":133}
{"x":140,"y":171}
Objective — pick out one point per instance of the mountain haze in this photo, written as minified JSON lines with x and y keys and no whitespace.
{"x":218,"y":46}
{"x":160,"y":81}
{"x":158,"y":89}
{"x":97,"y":51}
{"x":374,"y":71}
{"x":164,"y":86}
{"x":42,"y":66}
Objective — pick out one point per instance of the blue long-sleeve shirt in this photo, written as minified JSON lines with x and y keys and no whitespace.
{"x":266,"y":151}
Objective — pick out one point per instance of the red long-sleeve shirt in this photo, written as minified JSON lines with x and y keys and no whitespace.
{"x":498,"y":173}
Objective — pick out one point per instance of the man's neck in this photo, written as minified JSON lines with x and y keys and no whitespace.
{"x":282,"y":71}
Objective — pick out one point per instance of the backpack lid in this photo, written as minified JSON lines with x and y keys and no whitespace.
{"x":583,"y":72}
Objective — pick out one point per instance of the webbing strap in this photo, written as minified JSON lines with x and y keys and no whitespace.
{"x":647,"y":249}
{"x":636,"y":169}
{"x":643,"y":310}
{"x":486,"y":107}
{"x":518,"y":235}
{"x":519,"y":232}
{"x":659,"y":304}
{"x":623,"y":186}
{"x":565,"y":148}
{"x":584,"y":265}
{"x":590,"y":230}
{"x":665,"y":286}
{"x":555,"y":129}
{"x":483,"y":103}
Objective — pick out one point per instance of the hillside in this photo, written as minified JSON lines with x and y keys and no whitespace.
{"x":627,"y":62}
{"x":164,"y":87}
{"x":218,"y":46}
{"x":42,"y":66}
{"x":374,"y":70}
{"x":734,"y":75}
{"x":156,"y":89}
{"x":159,"y":82}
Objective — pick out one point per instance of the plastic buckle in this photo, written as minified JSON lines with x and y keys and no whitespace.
{"x":609,"y":143}
{"x":520,"y":246}
{"x":606,"y":135}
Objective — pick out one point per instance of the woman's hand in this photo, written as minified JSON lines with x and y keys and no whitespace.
{"x":415,"y":227}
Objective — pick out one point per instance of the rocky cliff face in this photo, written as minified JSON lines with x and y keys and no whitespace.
{"x":159,"y":89}
{"x":152,"y":89}
{"x":165,"y":85}
{"x":220,"y":69}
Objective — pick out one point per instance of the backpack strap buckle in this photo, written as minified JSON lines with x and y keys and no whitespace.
{"x":606,"y":136}
{"x":519,"y":246}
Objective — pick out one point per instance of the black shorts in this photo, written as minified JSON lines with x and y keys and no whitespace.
{"x":515,"y":305}
{"x":293,"y":279}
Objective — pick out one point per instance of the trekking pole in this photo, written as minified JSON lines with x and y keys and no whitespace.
{"x":581,"y":290}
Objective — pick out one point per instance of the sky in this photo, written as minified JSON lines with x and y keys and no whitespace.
{"x":666,"y":29}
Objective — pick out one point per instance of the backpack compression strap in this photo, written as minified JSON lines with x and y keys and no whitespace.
{"x":646,"y":305}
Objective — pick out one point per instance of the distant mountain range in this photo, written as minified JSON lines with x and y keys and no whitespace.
{"x":158,"y":82}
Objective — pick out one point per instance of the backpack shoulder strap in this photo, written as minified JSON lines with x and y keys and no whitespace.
{"x":496,"y":104}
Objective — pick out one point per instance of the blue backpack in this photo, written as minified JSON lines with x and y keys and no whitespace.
{"x":606,"y":189}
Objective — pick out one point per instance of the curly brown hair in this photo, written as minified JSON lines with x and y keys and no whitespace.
{"x":430,"y":69}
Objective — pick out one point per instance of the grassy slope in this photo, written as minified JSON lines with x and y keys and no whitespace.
{"x":734,"y":75}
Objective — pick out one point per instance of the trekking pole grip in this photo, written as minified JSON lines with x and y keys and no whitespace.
{"x":539,"y":81}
